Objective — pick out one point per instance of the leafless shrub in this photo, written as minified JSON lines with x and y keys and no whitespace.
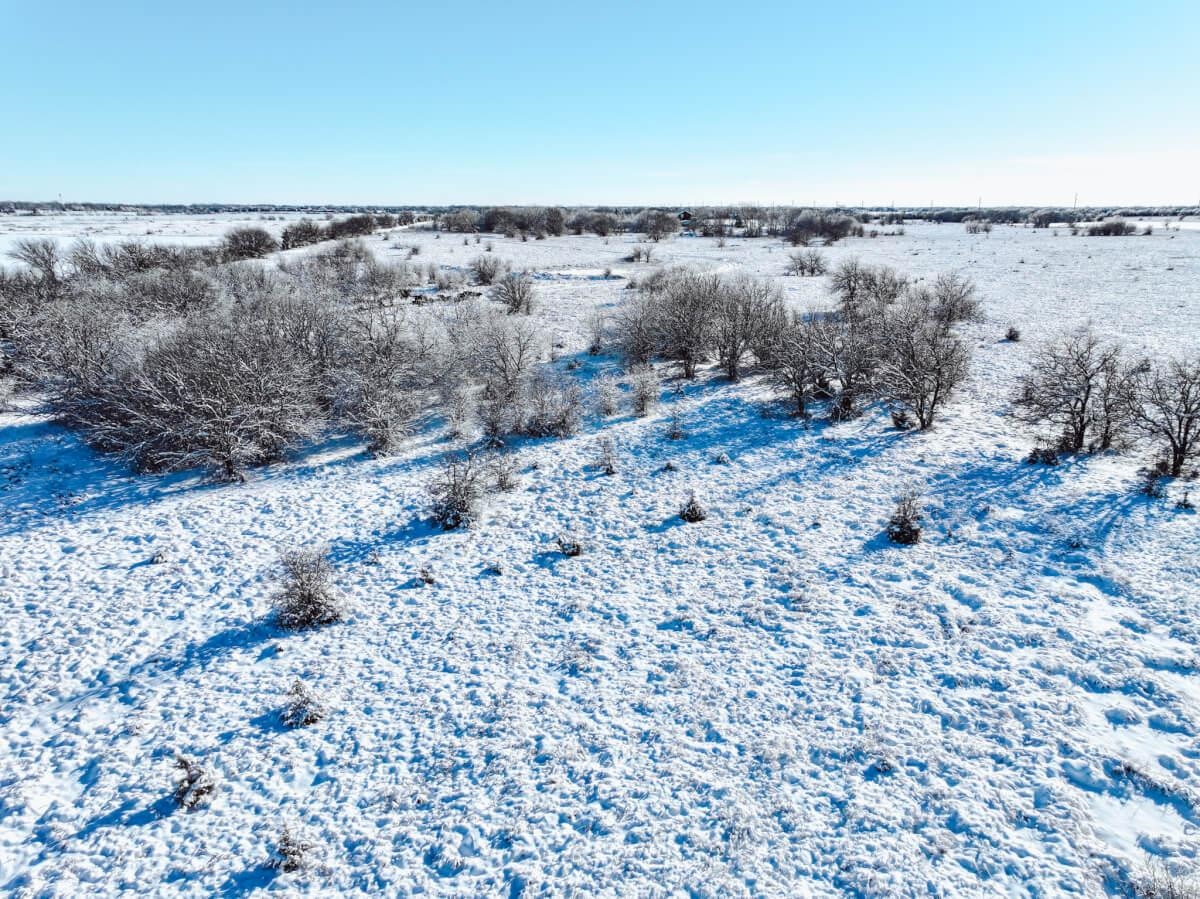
{"x":303,"y":707}
{"x":598,"y":331}
{"x":503,"y":468}
{"x":904,"y":527}
{"x":954,"y":300}
{"x":486,"y":269}
{"x":606,"y":456}
{"x":1013,"y":334}
{"x":308,"y":597}
{"x":795,"y":358}
{"x":675,"y":429}
{"x":646,"y":389}
{"x":456,"y":492}
{"x":1158,"y":882}
{"x":1112,"y":227}
{"x":807,"y":264}
{"x":553,"y":405}
{"x":516,"y":291}
{"x":608,"y":395}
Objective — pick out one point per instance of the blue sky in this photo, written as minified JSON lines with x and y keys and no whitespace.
{"x":532,"y":102}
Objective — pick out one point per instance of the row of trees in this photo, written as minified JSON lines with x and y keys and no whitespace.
{"x":1092,"y":397}
{"x":888,"y":339}
{"x":306,"y":232}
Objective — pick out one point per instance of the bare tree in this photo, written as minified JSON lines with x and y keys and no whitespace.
{"x":794,"y":359}
{"x":922,"y":365}
{"x":744,"y":311}
{"x":1079,"y":385}
{"x":684,"y":311}
{"x":807,"y":263}
{"x":657,"y":224}
{"x":1168,"y":410}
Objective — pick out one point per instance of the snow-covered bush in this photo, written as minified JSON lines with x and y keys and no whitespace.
{"x":303,"y":707}
{"x":503,"y":469}
{"x":456,"y":493}
{"x":247,"y":243}
{"x":569,"y":545}
{"x":552,"y":405}
{"x":904,"y":527}
{"x":487,"y":268}
{"x":292,"y":851}
{"x":692,"y":511}
{"x":516,"y":291}
{"x":196,"y":785}
{"x":308,"y":597}
{"x":646,"y":389}
{"x":606,"y":455}
{"x":607,"y":395}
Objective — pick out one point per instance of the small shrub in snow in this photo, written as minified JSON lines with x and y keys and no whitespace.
{"x":901,"y":420}
{"x":515,"y":290}
{"x":691,"y":511}
{"x":486,"y":268}
{"x":1160,"y":883}
{"x":456,"y":493}
{"x":904,"y":527}
{"x":1152,"y":485}
{"x":1184,"y":503}
{"x":291,"y":852}
{"x":302,"y":707}
{"x":675,"y":431}
{"x":308,"y":598}
{"x":1042,"y":455}
{"x":721,"y":459}
{"x":553,"y":406}
{"x":606,"y":459}
{"x":568,"y":545}
{"x":196,"y":786}
{"x":503,"y":469}
{"x":1013,"y":334}
{"x":607,"y":395}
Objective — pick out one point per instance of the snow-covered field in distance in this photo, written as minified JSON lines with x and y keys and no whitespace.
{"x":773,"y":702}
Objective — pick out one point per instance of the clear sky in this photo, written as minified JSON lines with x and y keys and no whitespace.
{"x":631,"y":103}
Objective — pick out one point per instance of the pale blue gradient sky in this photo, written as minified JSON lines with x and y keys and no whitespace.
{"x":532,"y":102}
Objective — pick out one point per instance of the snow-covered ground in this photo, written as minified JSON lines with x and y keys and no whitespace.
{"x":773,"y":702}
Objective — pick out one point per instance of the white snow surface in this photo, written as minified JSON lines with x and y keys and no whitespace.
{"x":773,"y":702}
